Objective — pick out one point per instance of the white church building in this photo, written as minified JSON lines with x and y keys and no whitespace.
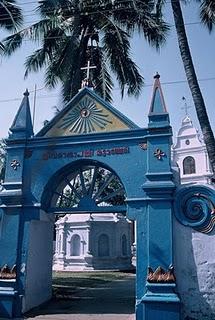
{"x":93,"y":242}
{"x":190,"y":154}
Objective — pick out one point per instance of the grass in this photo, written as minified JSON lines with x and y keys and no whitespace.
{"x":65,"y":284}
{"x":73,"y":293}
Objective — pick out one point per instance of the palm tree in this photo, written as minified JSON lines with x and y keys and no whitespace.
{"x":207,"y":14}
{"x":74,"y":32}
{"x":2,"y":160}
{"x":10,"y":17}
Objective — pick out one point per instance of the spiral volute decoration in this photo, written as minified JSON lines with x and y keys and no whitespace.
{"x":195,"y":207}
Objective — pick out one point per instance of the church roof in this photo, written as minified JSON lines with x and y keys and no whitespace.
{"x":188,"y":136}
{"x":186,"y":121}
{"x":86,"y":113}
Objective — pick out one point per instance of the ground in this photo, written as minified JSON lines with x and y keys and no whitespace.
{"x":89,"y":295}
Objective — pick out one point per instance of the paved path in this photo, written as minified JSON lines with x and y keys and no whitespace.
{"x":112,"y":301}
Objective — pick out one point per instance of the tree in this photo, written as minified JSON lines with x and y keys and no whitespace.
{"x":2,"y":159}
{"x":74,"y":32}
{"x":207,"y":14}
{"x":10,"y":17}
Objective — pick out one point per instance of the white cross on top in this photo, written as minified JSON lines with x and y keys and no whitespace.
{"x":88,"y":68}
{"x":186,"y":107}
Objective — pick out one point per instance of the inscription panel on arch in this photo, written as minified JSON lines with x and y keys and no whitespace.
{"x":86,"y":153}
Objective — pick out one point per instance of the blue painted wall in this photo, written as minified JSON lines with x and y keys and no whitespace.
{"x":35,"y":166}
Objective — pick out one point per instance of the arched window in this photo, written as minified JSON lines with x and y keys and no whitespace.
{"x":124,"y":245}
{"x":103,"y":246}
{"x":75,"y":245}
{"x":189,"y":165}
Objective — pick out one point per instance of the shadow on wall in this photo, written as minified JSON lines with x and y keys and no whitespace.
{"x":194,"y":261}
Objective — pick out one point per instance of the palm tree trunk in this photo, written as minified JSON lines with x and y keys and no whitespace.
{"x":193,"y":82}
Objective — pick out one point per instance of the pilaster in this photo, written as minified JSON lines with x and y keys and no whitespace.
{"x":12,"y":212}
{"x":159,"y":300}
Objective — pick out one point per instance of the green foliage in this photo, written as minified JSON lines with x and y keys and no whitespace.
{"x":10,"y":17}
{"x":207,"y":13}
{"x":73,"y":32}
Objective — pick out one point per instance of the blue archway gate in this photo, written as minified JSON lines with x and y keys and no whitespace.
{"x":87,"y":134}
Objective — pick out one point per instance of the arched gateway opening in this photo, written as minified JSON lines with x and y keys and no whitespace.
{"x":95,"y":196}
{"x":80,"y":188}
{"x":82,"y":161}
{"x":86,"y":186}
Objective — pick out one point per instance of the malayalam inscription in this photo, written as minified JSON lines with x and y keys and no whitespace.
{"x":87,"y":153}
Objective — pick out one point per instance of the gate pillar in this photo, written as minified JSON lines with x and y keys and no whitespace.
{"x":17,"y":210}
{"x":156,"y":297}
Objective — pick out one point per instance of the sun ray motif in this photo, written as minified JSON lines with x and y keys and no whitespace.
{"x":85,"y":118}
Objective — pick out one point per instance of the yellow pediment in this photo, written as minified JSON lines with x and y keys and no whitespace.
{"x":88,"y":114}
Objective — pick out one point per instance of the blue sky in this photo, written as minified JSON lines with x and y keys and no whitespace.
{"x":167,"y":62}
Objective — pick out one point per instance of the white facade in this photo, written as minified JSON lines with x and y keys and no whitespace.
{"x":190,"y":154}
{"x":92,"y":242}
{"x":194,"y":261}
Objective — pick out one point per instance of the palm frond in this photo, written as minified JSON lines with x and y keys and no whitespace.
{"x":207,"y":13}
{"x":46,"y":54}
{"x":65,"y":68}
{"x":154,"y":29}
{"x":143,"y":16}
{"x":12,"y":43}
{"x":48,"y":8}
{"x":63,"y":56}
{"x":46,"y":29}
{"x":66,"y":90}
{"x":51,"y":76}
{"x":10,"y":15}
{"x":41,"y":29}
{"x":1,"y":47}
{"x":35,"y":61}
{"x":117,"y":48}
{"x":101,"y":75}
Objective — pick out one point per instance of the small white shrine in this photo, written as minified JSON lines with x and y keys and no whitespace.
{"x":93,"y":242}
{"x":190,"y":154}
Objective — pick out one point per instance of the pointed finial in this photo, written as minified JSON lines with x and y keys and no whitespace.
{"x":158,"y":115}
{"x":26,"y":93}
{"x":157,"y":103}
{"x":157,"y":76}
{"x":22,"y":125}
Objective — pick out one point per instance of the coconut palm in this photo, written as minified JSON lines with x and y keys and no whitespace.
{"x":10,"y":17}
{"x":74,"y":32}
{"x":2,"y":160}
{"x":207,"y":14}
